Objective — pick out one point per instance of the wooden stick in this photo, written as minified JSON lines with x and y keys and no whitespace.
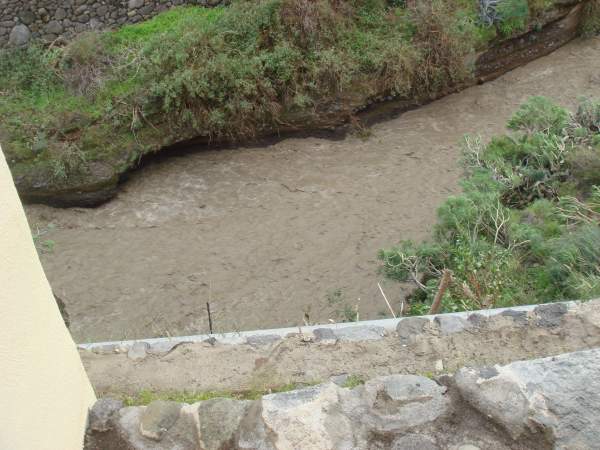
{"x":444,"y":282}
{"x":209,"y":318}
{"x":386,"y":300}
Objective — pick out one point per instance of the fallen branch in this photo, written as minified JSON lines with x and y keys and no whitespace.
{"x":444,"y":282}
{"x":386,"y":300}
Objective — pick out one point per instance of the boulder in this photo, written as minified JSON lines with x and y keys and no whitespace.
{"x":219,"y":420}
{"x":101,"y":414}
{"x":396,"y":404}
{"x":19,"y":36}
{"x":309,"y":419}
{"x":410,"y":327}
{"x":557,"y":397}
{"x":158,"y":417}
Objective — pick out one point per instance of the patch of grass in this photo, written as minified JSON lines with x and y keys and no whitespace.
{"x":353,"y":381}
{"x":513,"y":16}
{"x":146,"y":396}
{"x":526,"y":228}
{"x":170,"y":21}
{"x":43,"y":245}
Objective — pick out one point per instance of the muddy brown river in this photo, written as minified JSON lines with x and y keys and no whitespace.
{"x":272,"y":234}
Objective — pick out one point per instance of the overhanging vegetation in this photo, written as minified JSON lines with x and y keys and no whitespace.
{"x":77,"y":117}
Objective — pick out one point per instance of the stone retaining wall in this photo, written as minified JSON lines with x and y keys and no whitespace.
{"x":413,"y":345}
{"x":21,"y":21}
{"x":550,"y":403}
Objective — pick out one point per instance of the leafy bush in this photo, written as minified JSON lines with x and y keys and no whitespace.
{"x":539,"y":114}
{"x":513,"y":15}
{"x":591,"y":19}
{"x":511,"y":237}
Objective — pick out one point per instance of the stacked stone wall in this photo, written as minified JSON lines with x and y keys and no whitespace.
{"x":52,"y":20}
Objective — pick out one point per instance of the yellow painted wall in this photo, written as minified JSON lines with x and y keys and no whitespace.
{"x":44,"y":391}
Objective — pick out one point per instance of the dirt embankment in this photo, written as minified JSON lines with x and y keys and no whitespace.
{"x":271,"y":232}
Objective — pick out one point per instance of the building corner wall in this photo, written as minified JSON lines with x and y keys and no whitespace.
{"x":44,"y":389}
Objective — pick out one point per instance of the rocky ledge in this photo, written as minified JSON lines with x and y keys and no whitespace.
{"x":549,"y":403}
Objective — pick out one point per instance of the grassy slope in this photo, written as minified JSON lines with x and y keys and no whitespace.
{"x":527,"y":227}
{"x":227,"y":73}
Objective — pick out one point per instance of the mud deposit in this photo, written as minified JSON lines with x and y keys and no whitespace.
{"x":270,"y":233}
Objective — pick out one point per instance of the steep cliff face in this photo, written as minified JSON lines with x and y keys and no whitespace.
{"x":78,"y":179}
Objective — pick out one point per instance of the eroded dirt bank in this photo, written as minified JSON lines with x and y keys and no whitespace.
{"x":269,"y":233}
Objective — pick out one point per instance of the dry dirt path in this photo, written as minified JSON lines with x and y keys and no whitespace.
{"x":270,"y":232}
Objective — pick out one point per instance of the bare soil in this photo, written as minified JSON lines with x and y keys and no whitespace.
{"x":271,"y":233}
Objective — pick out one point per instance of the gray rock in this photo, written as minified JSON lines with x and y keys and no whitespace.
{"x":415,"y":442}
{"x":95,"y":24}
{"x":133,"y":4}
{"x":488,"y":372}
{"x":410,"y":327}
{"x":500,"y":398}
{"x":181,"y":434}
{"x":360,"y":333}
{"x":550,"y":315}
{"x":399,"y":403}
{"x":477,"y":320}
{"x":308,"y":419}
{"x":450,"y":324}
{"x":219,"y":421}
{"x":104,"y":349}
{"x":558,"y":397}
{"x":19,"y":36}
{"x":164,"y":347}
{"x":262,"y":339}
{"x":101,"y":414}
{"x":81,"y":9}
{"x":54,"y":27}
{"x":158,"y":417}
{"x":60,"y":14}
{"x":27,"y":17}
{"x":324,"y":335}
{"x":145,"y":10}
{"x":340,"y":380}
{"x":102,"y":10}
{"x":252,"y":434}
{"x":138,"y":351}
{"x":520,"y":317}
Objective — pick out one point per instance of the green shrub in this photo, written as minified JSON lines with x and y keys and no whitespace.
{"x":585,"y":167}
{"x":590,"y":26}
{"x":539,"y":114}
{"x":510,"y":238}
{"x":588,"y":114}
{"x":513,"y":16}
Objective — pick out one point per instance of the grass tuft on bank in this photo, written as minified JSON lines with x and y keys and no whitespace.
{"x":147,"y":396}
{"x":526,"y":228}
